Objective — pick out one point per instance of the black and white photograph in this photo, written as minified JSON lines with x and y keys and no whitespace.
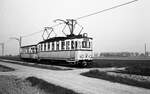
{"x":74,"y":47}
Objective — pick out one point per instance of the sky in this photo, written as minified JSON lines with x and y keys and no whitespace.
{"x":119,"y":30}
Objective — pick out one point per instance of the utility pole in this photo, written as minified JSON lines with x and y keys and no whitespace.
{"x":145,"y":50}
{"x":2,"y":44}
{"x":20,"y":42}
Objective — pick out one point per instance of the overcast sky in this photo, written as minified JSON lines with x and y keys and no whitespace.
{"x":118,"y":30}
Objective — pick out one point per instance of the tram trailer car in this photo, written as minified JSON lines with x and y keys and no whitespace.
{"x":75,"y":49}
{"x":29,"y":52}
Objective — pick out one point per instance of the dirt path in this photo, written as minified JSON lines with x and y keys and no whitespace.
{"x":72,"y":80}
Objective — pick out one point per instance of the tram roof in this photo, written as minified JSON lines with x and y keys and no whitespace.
{"x":27,"y":46}
{"x":64,"y":38}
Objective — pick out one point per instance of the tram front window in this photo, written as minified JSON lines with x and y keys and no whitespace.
{"x":86,"y":44}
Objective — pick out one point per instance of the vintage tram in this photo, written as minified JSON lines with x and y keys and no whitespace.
{"x":75,"y":49}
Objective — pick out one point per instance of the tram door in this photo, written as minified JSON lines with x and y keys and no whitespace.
{"x":72,"y":51}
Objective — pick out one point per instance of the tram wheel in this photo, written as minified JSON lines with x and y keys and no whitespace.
{"x":84,"y":63}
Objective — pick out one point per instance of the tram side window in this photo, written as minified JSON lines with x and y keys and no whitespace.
{"x":52,"y":46}
{"x":57,"y":45}
{"x":36,"y":49}
{"x":67,"y":45}
{"x":62,"y":45}
{"x":72,"y":45}
{"x":49,"y":46}
{"x":27,"y":50}
{"x":76,"y":44}
{"x":89,"y":44}
{"x":79,"y":44}
{"x":31,"y":50}
{"x":41,"y":47}
{"x":44,"y":46}
{"x":24,"y":50}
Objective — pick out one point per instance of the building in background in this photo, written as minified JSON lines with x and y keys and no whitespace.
{"x":120,"y":54}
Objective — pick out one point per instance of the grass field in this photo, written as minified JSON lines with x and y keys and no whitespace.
{"x":116,"y":78}
{"x":119,"y":63}
{"x":136,"y":70}
{"x":138,"y":67}
{"x":5,"y":69}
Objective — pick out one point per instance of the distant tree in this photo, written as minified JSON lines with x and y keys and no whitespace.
{"x":136,"y":54}
{"x":142,"y":54}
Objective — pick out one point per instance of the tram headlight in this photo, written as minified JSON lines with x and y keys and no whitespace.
{"x":90,"y":56}
{"x":81,"y":56}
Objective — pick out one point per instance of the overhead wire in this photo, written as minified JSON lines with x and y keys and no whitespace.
{"x":39,"y":31}
{"x":105,"y":10}
{"x":87,"y":16}
{"x":31,"y":34}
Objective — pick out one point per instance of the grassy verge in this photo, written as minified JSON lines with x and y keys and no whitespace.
{"x":118,"y":79}
{"x":31,"y":85}
{"x":48,"y":87}
{"x":137,"y":67}
{"x":103,"y":63}
{"x":5,"y":69}
{"x":14,"y":85}
{"x":137,"y":70}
